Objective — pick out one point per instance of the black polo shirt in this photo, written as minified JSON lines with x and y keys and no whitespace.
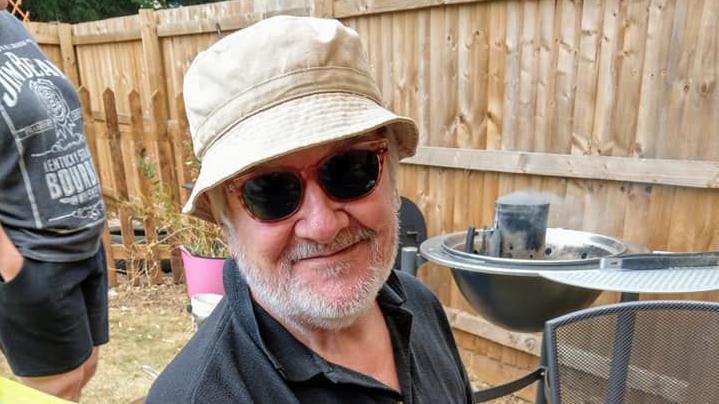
{"x":242,"y":354}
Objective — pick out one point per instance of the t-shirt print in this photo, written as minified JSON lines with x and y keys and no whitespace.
{"x":45,"y":121}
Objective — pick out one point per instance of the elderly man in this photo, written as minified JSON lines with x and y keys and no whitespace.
{"x":299,"y":166}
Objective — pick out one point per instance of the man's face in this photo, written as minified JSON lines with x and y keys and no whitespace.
{"x":3,"y":4}
{"x":322,"y":266}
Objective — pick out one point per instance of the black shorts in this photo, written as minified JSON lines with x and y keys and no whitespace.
{"x":52,"y":314}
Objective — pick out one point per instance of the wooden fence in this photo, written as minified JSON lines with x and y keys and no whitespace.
{"x":611,"y":105}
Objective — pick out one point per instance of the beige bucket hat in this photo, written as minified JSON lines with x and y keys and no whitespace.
{"x":276,"y":87}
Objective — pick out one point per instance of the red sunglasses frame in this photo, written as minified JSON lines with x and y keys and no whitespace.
{"x":235,"y":185}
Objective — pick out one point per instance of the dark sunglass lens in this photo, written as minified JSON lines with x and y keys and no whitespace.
{"x":351,"y":174}
{"x":272,"y":196}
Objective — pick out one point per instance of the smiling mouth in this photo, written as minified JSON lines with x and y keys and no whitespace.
{"x":329,"y":255}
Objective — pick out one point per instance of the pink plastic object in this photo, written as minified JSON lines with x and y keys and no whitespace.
{"x":202,"y":274}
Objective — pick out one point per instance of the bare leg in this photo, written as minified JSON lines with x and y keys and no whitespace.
{"x":90,"y":367}
{"x":66,"y":385}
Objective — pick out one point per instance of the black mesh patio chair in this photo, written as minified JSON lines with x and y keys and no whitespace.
{"x":657,"y":352}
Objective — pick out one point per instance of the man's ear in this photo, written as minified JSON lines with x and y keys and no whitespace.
{"x":396,"y":200}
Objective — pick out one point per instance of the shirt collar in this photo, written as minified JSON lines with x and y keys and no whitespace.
{"x":295,"y":361}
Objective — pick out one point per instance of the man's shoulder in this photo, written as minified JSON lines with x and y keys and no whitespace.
{"x":185,"y":376}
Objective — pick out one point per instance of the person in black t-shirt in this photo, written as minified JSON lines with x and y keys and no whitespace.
{"x":53,"y":284}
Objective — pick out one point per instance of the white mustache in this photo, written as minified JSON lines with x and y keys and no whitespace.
{"x":346,"y":238}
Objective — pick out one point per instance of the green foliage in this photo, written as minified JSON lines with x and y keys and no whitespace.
{"x":74,"y":11}
{"x":199,"y":236}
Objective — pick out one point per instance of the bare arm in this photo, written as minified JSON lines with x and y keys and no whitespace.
{"x":10,"y":259}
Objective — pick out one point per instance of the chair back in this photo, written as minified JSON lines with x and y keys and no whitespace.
{"x":654,"y":352}
{"x":412,"y":228}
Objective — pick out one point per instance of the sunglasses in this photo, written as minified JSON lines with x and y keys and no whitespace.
{"x":277,"y":193}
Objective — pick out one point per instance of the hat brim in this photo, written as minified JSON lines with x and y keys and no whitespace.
{"x":289,"y":127}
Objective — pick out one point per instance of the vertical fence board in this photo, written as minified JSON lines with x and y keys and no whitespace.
{"x":528,"y":68}
{"x":586,"y":77}
{"x":511,"y":76}
{"x":630,"y":60}
{"x":118,"y":171}
{"x":606,"y":82}
{"x":150,"y":260}
{"x":69,"y":62}
{"x":543,"y":128}
{"x":654,"y":79}
{"x":165,"y":155}
{"x":91,"y":138}
{"x":497,"y":55}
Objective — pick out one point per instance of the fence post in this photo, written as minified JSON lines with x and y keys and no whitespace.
{"x":91,"y":138}
{"x":67,"y":51}
{"x":152,"y":263}
{"x":118,"y":171}
{"x":182,"y":147}
{"x":164,"y":149}
{"x":154,"y":72}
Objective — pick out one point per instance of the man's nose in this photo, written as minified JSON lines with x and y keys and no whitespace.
{"x":320,"y":218}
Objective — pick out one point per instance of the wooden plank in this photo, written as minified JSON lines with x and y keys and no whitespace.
{"x":606,"y":82}
{"x":139,"y":157}
{"x":120,"y":252}
{"x":111,"y":37}
{"x":630,"y":60}
{"x":424,"y":111}
{"x":230,"y":23}
{"x":45,"y":38}
{"x":69,"y":62}
{"x":165,"y":153}
{"x":472,"y":83}
{"x":581,"y":141}
{"x":686,"y":173}
{"x":154,"y":73}
{"x":476,"y":325}
{"x":703,"y":142}
{"x":118,"y":170}
{"x":447,"y":82}
{"x":565,"y":90}
{"x":511,"y":76}
{"x":655,"y":87}
{"x":178,"y":267}
{"x":495,"y":81}
{"x":322,"y":8}
{"x":89,"y":128}
{"x":109,"y":257}
{"x":182,"y":147}
{"x":91,"y":138}
{"x":528,"y":70}
{"x":354,"y":8}
{"x":544,"y":104}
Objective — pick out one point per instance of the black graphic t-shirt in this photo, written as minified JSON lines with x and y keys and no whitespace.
{"x":50,"y":200}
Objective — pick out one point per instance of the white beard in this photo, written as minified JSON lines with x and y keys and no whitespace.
{"x":288,"y":299}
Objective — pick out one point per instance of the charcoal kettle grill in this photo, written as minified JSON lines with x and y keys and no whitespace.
{"x":519,"y":273}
